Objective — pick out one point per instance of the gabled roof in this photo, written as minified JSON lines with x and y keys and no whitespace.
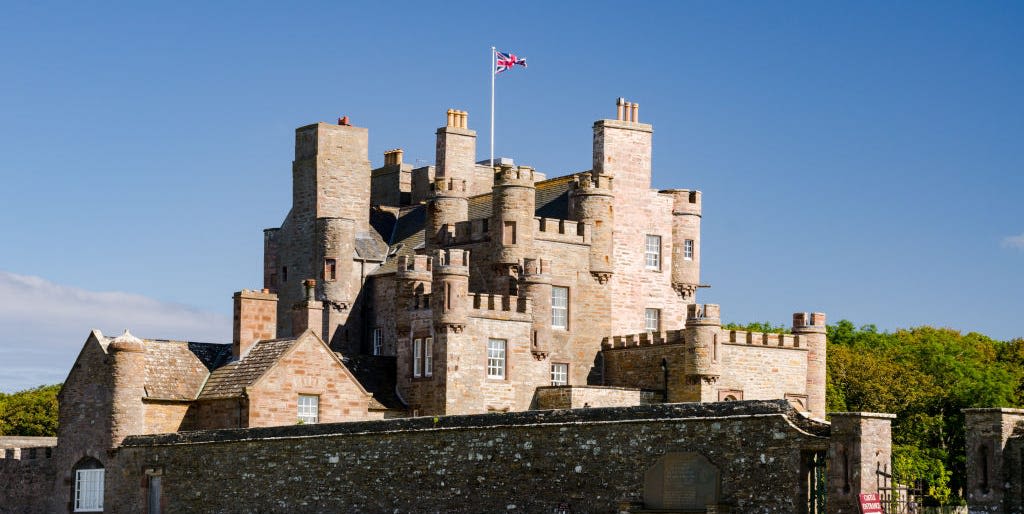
{"x":174,"y":372}
{"x":230,"y":380}
{"x":377,"y":374}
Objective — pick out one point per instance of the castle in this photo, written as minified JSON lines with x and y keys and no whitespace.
{"x":462,"y":288}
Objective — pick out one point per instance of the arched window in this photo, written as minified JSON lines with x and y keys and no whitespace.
{"x":88,"y":493}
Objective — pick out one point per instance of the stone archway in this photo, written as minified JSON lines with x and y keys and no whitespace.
{"x":682,"y":481}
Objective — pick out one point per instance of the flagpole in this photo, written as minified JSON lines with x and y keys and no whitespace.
{"x":493,"y":50}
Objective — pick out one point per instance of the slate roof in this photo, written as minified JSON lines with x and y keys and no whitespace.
{"x":230,"y":381}
{"x":377,"y":374}
{"x":173,"y":372}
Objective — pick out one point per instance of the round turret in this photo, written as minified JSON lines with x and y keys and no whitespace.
{"x":450,"y":289}
{"x":128,"y":369}
{"x":686,"y":218}
{"x":537,"y":277}
{"x":446,"y":206}
{"x":591,"y":200}
{"x":512,"y":210}
{"x":810,"y":328}
{"x":703,"y":362}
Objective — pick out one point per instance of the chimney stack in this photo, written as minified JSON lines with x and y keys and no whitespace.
{"x":255,"y":319}
{"x":309,"y":313}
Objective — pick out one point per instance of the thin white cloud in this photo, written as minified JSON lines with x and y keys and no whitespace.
{"x":1014,"y":242}
{"x":43,"y":325}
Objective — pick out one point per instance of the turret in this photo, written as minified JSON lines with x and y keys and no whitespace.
{"x":414,"y":277}
{"x":811,"y":329}
{"x":591,"y":203}
{"x":456,"y":153}
{"x":511,"y":223}
{"x":450,"y":290}
{"x":333,"y":264}
{"x":128,"y":366}
{"x":703,"y":362}
{"x":537,"y":280}
{"x":686,"y":217}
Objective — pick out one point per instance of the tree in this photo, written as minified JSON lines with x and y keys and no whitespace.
{"x":32,"y":412}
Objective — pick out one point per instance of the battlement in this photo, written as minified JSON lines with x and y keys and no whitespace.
{"x":590,"y":183}
{"x":809,"y":321}
{"x":644,"y":339}
{"x":488,"y":305}
{"x":767,"y":339}
{"x":415,"y":264}
{"x":565,"y":231}
{"x":393,"y":157}
{"x":684,"y":201}
{"x":458,"y":119}
{"x":31,"y":453}
{"x":706,"y":312}
{"x":452,"y":257}
{"x":442,"y":185}
{"x":509,"y":175}
{"x":533,"y":267}
{"x":470,"y":231}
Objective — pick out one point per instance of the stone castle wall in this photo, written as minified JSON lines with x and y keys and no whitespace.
{"x":591,"y":460}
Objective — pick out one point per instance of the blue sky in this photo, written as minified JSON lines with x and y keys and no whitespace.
{"x":862,"y":159}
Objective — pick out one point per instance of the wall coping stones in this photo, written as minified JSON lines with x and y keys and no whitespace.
{"x":871,"y":415}
{"x":594,"y":415}
{"x":993,"y":410}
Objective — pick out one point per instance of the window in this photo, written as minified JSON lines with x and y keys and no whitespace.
{"x":559,"y":374}
{"x":688,"y":249}
{"x":560,"y":307}
{"x":496,"y":358}
{"x":330,"y":269}
{"x":309,"y":409}
{"x":428,"y":357}
{"x":508,"y":233}
{"x":284,"y":274}
{"x":417,"y":358}
{"x":89,"y":490}
{"x":652,"y":252}
{"x":652,"y":320}
{"x":378,"y":341}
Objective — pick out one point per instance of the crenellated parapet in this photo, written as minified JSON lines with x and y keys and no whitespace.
{"x":562,"y":231}
{"x":500,"y":306}
{"x":644,"y":339}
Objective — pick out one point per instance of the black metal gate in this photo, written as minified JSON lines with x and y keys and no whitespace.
{"x":898,"y":498}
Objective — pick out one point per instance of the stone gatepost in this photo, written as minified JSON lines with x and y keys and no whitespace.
{"x":994,"y":445}
{"x":859,"y":446}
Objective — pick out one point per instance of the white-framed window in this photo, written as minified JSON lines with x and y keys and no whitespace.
{"x":428,"y":357}
{"x":688,"y":249}
{"x":89,"y":490}
{"x":378,"y":341}
{"x":560,"y":307}
{"x":417,"y":358}
{"x":496,"y":358}
{"x":309,"y":408}
{"x":652,"y":320}
{"x":559,"y":374}
{"x":652,"y":252}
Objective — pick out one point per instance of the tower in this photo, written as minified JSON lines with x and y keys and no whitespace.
{"x":702,"y":365}
{"x":811,"y":329}
{"x":537,"y":278}
{"x":128,"y":366}
{"x":686,"y":216}
{"x":511,"y":224}
{"x":447,"y":203}
{"x":592,"y":203}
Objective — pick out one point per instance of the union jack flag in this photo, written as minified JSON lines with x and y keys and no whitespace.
{"x":507,"y":61}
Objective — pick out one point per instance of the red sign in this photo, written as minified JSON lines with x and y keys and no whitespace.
{"x":870,"y":503}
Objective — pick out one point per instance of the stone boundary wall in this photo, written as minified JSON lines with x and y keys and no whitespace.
{"x":593,"y":460}
{"x":26,"y":478}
